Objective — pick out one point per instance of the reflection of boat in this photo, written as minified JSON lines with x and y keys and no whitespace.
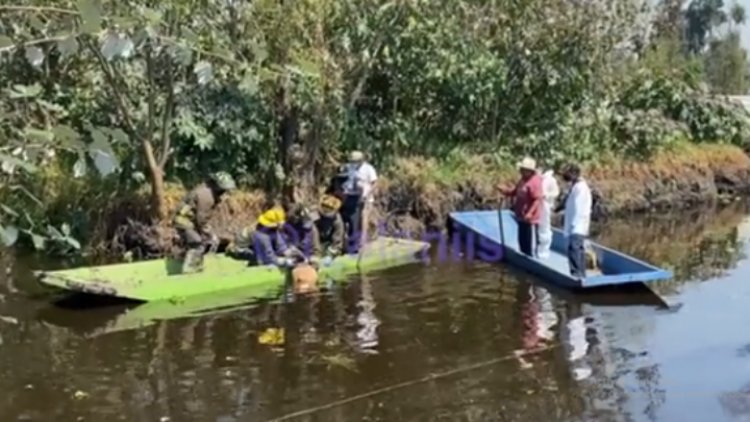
{"x":160,"y":279}
{"x":109,"y":319}
{"x":250,"y":292}
{"x":501,"y":229}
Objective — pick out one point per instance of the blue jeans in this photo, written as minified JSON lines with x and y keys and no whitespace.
{"x":577,"y":255}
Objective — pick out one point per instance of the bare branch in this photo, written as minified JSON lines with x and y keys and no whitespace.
{"x":39,"y":41}
{"x":366,"y":67}
{"x":112,"y":82}
{"x":151,"y":92}
{"x":39,"y":9}
{"x":167,"y":119}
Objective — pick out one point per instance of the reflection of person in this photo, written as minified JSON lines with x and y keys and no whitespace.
{"x":367,"y":335}
{"x":539,"y":318}
{"x":574,"y":339}
{"x":527,"y":203}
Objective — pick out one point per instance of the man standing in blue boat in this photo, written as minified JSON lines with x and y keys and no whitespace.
{"x":550,"y":191}
{"x":527,"y":204}
{"x":577,"y":219}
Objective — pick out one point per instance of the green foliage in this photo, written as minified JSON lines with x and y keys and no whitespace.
{"x":117,"y":96}
{"x":726,"y":65}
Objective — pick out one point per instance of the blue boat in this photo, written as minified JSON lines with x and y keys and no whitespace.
{"x":615,"y":268}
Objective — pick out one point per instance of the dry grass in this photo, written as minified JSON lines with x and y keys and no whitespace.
{"x":429,"y":190}
{"x":689,"y":172}
{"x":418,"y":193}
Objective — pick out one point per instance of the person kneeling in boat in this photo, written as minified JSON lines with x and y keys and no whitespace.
{"x":301,"y":236}
{"x":263,"y":242}
{"x":331,"y":229}
{"x":191,"y":219}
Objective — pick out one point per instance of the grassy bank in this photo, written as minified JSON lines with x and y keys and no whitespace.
{"x":417,"y":193}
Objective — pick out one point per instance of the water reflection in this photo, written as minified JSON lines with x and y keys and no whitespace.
{"x":543,"y":354}
{"x":700,"y":244}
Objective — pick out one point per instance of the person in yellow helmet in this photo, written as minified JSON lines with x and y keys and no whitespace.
{"x":263,"y":242}
{"x":331,"y":228}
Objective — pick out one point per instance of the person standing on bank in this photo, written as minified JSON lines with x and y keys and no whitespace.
{"x":578,"y":205}
{"x":527,"y":204}
{"x":358,"y":198}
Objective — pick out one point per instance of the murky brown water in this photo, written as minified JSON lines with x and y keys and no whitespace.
{"x":415,"y":343}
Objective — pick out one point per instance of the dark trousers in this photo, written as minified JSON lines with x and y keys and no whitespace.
{"x":527,"y":234}
{"x":577,"y":255}
{"x":267,"y":245}
{"x":351,"y":213}
{"x":190,"y":238}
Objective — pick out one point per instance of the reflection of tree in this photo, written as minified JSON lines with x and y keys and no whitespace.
{"x":648,"y":377}
{"x":617,"y":371}
{"x":431,"y":320}
{"x":737,"y":403}
{"x":698,"y":245}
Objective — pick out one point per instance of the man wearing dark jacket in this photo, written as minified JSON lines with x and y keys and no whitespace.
{"x":191,"y":219}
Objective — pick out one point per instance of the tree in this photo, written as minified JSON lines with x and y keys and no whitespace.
{"x":702,"y":17}
{"x":149,"y":60}
{"x":726,"y":65}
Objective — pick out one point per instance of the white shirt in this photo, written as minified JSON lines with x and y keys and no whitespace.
{"x":578,"y":209}
{"x":361,"y":180}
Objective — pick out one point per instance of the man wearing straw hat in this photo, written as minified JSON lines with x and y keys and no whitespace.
{"x":527,"y":204}
{"x":358,"y":199}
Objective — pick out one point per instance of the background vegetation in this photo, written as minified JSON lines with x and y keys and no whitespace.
{"x":101,"y":97}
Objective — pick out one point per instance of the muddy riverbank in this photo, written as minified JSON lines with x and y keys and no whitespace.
{"x":418,"y":194}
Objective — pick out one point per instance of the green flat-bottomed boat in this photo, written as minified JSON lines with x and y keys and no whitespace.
{"x":162,"y":280}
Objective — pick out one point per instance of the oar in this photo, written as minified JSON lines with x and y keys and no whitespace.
{"x":503,"y":202}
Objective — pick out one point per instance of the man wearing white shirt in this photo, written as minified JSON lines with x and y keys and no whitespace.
{"x":358,"y":197}
{"x":577,"y":219}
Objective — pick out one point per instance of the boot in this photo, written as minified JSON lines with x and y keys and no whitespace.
{"x":193,"y":261}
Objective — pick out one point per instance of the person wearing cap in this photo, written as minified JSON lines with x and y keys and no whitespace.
{"x":527,"y":197}
{"x":192,"y":215}
{"x":330,"y":227}
{"x":577,"y":219}
{"x":358,"y":197}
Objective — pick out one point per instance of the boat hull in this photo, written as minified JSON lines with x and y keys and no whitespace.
{"x":156,"y":280}
{"x":500,"y":228}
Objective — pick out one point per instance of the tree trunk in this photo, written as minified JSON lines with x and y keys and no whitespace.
{"x":287,"y":132}
{"x":158,"y":200}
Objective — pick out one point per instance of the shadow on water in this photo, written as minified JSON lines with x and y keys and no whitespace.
{"x":449,"y":341}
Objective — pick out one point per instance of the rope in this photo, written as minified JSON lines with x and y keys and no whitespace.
{"x":404,"y":384}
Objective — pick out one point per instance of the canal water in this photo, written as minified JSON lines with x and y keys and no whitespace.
{"x":453,"y":341}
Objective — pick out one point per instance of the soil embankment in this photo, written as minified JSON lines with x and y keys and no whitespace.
{"x":417,"y":194}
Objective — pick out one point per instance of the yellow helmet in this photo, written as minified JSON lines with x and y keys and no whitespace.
{"x":274,"y":217}
{"x":330,"y":202}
